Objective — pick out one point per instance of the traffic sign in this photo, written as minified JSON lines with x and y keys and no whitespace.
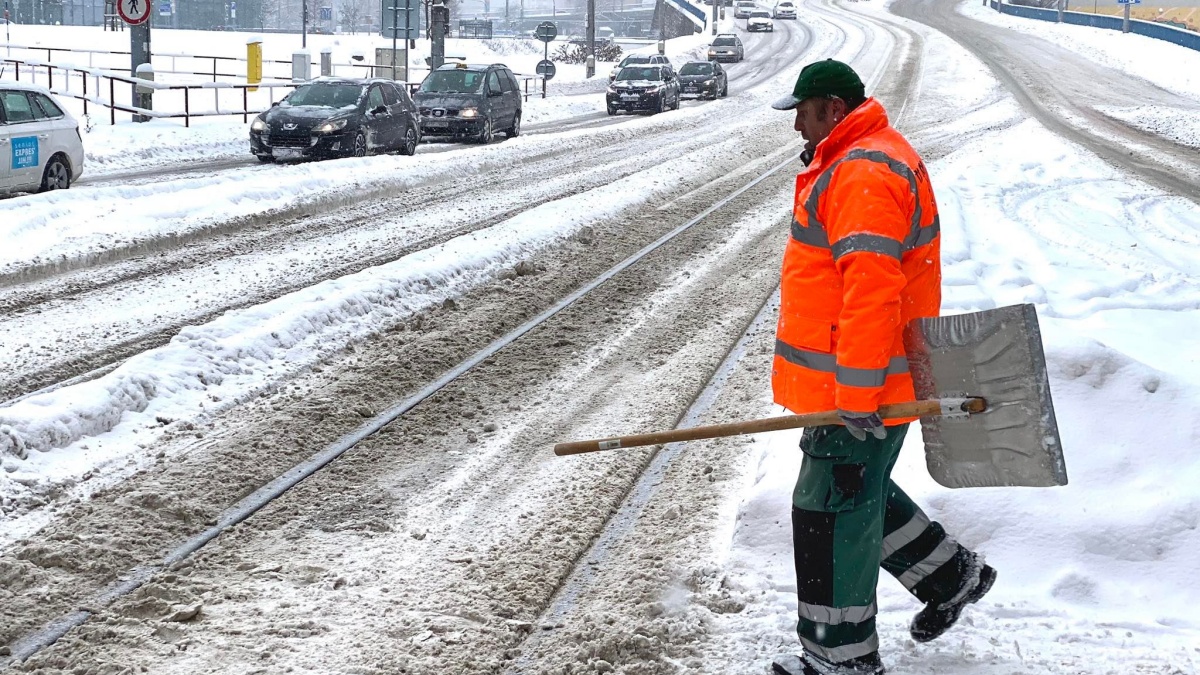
{"x":405,"y":14}
{"x":546,"y":69}
{"x":164,"y":7}
{"x":326,"y":14}
{"x":134,"y":12}
{"x":1129,"y":2}
{"x":546,"y":31}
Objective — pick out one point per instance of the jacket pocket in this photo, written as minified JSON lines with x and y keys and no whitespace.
{"x":806,"y":333}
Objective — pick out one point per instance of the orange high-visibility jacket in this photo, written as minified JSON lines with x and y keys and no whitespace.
{"x":863,"y":259}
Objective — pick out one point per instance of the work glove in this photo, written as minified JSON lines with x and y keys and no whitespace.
{"x":858,"y":424}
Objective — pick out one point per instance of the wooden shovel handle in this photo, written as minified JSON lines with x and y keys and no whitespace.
{"x":891,"y":411}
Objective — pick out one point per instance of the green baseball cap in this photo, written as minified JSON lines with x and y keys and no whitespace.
{"x":823,"y":78}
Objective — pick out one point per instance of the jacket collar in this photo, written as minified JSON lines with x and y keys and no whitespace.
{"x":866,"y":119}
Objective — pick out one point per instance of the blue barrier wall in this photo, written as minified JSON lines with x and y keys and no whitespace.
{"x":1158,"y":31}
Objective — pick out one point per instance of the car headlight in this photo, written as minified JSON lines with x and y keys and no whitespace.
{"x":469,"y":112}
{"x":652,"y":90}
{"x":612,"y":90}
{"x":336,"y":125}
{"x":258,"y":124}
{"x":709,"y":83}
{"x":712,"y":52}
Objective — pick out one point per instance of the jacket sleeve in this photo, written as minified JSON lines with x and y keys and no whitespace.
{"x":867,"y":211}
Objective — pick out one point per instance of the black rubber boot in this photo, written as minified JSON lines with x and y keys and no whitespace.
{"x":936,"y":619}
{"x":807,"y":664}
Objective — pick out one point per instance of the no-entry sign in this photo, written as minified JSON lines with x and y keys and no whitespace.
{"x":134,"y":12}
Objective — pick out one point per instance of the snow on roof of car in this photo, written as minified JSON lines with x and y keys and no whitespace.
{"x":25,"y":86}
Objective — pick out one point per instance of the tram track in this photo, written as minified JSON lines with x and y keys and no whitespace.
{"x":63,"y":595}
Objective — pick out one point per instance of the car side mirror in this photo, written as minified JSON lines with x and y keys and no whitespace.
{"x":379,"y":110}
{"x":493,"y":93}
{"x":275,"y":104}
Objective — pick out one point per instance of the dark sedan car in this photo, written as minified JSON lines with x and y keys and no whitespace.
{"x":337,"y":118}
{"x":652,"y":88}
{"x":703,"y":79}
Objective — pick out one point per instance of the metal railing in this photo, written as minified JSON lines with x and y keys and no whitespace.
{"x":181,"y":100}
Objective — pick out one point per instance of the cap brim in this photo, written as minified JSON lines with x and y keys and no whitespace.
{"x":786,"y":103}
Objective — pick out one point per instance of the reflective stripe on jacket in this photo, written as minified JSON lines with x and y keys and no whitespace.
{"x":863,"y":259}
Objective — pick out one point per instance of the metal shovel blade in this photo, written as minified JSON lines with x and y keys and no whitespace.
{"x":996,"y":354}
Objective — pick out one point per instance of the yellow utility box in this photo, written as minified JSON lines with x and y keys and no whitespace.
{"x":254,"y":62}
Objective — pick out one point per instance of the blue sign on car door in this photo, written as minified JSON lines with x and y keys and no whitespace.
{"x":25,"y":152}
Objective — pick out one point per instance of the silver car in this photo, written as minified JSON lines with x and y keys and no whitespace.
{"x":726,"y":47}
{"x":40,"y":144}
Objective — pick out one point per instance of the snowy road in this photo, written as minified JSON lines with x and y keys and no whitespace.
{"x":439,"y":544}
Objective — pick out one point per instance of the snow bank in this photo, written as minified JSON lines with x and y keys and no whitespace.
{"x":211,"y":367}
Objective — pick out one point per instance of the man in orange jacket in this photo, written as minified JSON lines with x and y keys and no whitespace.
{"x":863,"y":260}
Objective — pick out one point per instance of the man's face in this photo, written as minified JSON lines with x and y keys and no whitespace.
{"x":816,"y":117}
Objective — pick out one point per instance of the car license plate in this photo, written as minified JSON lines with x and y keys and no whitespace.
{"x":690,"y":89}
{"x":629,"y":97}
{"x":286,"y":153}
{"x":435,"y":123}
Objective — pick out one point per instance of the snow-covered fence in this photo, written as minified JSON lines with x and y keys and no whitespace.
{"x":99,"y":88}
{"x":1151,"y":29}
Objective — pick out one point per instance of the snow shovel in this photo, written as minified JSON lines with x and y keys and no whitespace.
{"x":983,"y":398}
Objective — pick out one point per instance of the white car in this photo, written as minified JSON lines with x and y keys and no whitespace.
{"x":742,"y":9}
{"x":784,"y":9}
{"x":40,"y":144}
{"x":760,"y":20}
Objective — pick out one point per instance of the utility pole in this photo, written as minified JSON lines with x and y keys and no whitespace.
{"x":591,"y":38}
{"x":304,"y":25}
{"x":1060,"y":10}
{"x":439,"y":15}
{"x":395,"y":33}
{"x":1125,"y":21}
{"x":716,"y":12}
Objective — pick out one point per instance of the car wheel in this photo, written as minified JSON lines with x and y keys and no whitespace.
{"x":612,"y":110}
{"x":662,"y":104}
{"x":410,"y":142}
{"x":359,"y":149}
{"x":516,"y":126}
{"x":676,"y":106}
{"x":485,"y":134}
{"x":57,"y":175}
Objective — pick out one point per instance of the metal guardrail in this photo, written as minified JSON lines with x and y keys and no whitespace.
{"x":106,"y":81}
{"x":1158,"y":31}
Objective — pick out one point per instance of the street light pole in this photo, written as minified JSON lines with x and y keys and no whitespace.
{"x":304,"y":24}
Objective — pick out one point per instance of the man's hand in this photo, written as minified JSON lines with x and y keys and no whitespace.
{"x":858,"y":424}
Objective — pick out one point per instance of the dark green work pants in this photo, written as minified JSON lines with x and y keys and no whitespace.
{"x":848,"y":520}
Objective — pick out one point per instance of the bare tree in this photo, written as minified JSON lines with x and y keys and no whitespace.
{"x":354,"y":13}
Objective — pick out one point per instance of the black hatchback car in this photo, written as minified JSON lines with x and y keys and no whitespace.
{"x":333,"y":117}
{"x":653,"y":88}
{"x":703,"y":79}
{"x":470,"y":101}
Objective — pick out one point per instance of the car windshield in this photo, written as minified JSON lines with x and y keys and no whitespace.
{"x":453,"y":82}
{"x":759,"y":14}
{"x":632,"y":59}
{"x":696,"y":69}
{"x":637,"y":73}
{"x":326,"y":95}
{"x":724,"y":42}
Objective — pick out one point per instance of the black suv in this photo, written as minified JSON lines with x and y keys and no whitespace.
{"x":649,"y":87}
{"x":470,"y":101}
{"x":337,"y":117}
